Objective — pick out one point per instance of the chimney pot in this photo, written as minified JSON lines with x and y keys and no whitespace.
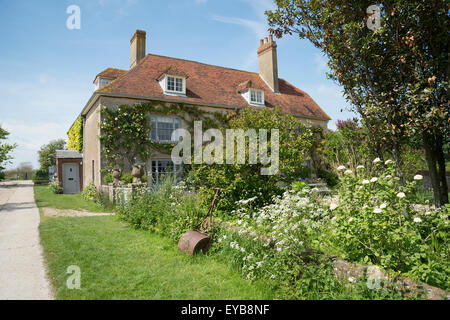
{"x":270,"y":38}
{"x":265,"y":40}
{"x":261,"y":42}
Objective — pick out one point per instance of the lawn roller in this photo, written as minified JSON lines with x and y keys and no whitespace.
{"x":192,"y":241}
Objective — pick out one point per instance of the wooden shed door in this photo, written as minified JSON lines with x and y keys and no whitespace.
{"x":71,"y":178}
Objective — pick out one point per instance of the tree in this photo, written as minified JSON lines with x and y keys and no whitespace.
{"x":25,"y":170}
{"x":396,"y":76}
{"x":47,"y":153}
{"x":5,"y":149}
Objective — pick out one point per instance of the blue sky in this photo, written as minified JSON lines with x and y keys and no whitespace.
{"x":46,"y":70}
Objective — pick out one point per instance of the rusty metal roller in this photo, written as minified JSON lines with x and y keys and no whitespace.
{"x":193,"y":241}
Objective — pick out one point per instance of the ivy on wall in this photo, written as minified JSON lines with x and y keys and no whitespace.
{"x":75,"y":135}
{"x":125,"y":131}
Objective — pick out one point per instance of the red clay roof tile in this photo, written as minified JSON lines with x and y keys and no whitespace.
{"x":210,"y":84}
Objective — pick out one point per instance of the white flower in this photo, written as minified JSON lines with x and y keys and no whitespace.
{"x":348,"y":171}
{"x":365,"y":181}
{"x":376,"y":160}
{"x":243,"y":249}
{"x":418,"y":177}
{"x":401,"y":195}
{"x":340,"y":168}
{"x":351,"y":279}
{"x":377,"y":210}
{"x":350,"y":220}
{"x":383,"y":205}
{"x":374,"y":179}
{"x":418,"y":220}
{"x":279,"y":249}
{"x":388,"y":161}
{"x":360,"y":167}
{"x":333,"y":206}
{"x":388,"y":176}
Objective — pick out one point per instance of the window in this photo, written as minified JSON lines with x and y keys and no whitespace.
{"x":165,"y":167}
{"x":163,"y":127}
{"x":102,"y":82}
{"x":175,"y":84}
{"x":256,"y":96}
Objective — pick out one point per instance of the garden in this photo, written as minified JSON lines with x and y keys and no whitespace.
{"x":371,"y":215}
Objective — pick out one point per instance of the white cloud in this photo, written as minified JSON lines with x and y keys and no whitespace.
{"x":30,"y":136}
{"x":257,"y":27}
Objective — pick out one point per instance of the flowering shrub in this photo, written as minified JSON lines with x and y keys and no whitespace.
{"x":375,"y":223}
{"x":89,"y":192}
{"x":169,"y":210}
{"x":55,"y":187}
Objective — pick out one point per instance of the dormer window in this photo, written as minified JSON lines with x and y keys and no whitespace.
{"x":175,"y":84}
{"x":256,"y":96}
{"x":173,"y":81}
{"x":101,"y":82}
{"x":252,"y":93}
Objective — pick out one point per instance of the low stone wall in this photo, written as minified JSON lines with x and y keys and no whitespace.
{"x":118,"y":193}
{"x":377,"y":278}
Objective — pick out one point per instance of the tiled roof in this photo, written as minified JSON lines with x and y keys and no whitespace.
{"x":68,"y":154}
{"x":111,"y":73}
{"x":208,"y":84}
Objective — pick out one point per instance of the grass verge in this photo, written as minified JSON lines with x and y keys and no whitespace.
{"x":44,"y":197}
{"x":118,"y":262}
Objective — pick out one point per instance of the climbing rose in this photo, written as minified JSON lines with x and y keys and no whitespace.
{"x":376,"y":160}
{"x":340,"y":168}
{"x":418,"y":177}
{"x":401,"y":195}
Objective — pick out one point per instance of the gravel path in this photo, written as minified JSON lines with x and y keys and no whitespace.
{"x":22,"y":269}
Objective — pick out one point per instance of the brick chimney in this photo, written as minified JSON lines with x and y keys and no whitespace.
{"x":137,"y":47}
{"x":267,"y":62}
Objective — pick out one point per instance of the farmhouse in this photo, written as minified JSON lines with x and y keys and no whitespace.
{"x":167,"y":80}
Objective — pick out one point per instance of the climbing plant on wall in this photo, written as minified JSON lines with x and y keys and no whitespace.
{"x":75,"y":135}
{"x":125,"y":131}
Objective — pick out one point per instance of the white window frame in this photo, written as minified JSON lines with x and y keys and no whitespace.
{"x":177,"y":170}
{"x":155,"y":119}
{"x":101,"y":82}
{"x":255,"y":102}
{"x":183,"y":84}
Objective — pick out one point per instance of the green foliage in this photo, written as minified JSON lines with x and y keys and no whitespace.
{"x":55,"y":187}
{"x":47,"y":153}
{"x":167,"y":210}
{"x":376,"y":224}
{"x":5,"y":149}
{"x":40,"y":176}
{"x":242,"y":181}
{"x":75,"y":135}
{"x":108,"y":178}
{"x":89,"y":192}
{"x":396,"y":77}
{"x":330,"y":177}
{"x":127,"y":178}
{"x":125,"y":131}
{"x":2,"y":175}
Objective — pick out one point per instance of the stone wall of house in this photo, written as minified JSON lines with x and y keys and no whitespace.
{"x":94,"y":159}
{"x":91,"y":147}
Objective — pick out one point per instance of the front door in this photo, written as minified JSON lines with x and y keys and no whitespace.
{"x":71,"y":183}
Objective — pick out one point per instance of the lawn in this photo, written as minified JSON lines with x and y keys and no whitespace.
{"x":118,"y":262}
{"x":44,"y":197}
